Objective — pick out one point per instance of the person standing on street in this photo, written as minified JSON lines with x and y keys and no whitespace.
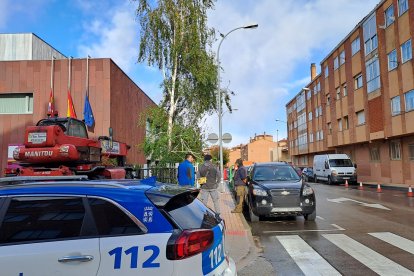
{"x":212,"y":173}
{"x":240,"y":181}
{"x":186,"y":174}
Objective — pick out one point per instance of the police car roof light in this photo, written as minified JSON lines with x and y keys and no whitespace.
{"x":190,"y":243}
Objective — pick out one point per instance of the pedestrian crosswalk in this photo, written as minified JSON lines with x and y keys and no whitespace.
{"x":310,"y":262}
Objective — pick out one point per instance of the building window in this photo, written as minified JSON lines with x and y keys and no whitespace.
{"x":310,"y":137}
{"x":318,"y":87}
{"x":346,"y":122}
{"x":402,"y":7}
{"x":16,"y":103}
{"x":328,"y":99}
{"x":326,"y":71}
{"x":321,"y":134}
{"x":338,"y":93}
{"x":373,"y":75}
{"x":358,"y":81}
{"x":361,"y":117}
{"x":406,"y":51}
{"x":389,"y":16}
{"x":342,"y":58}
{"x":370,"y":34}
{"x":409,"y":100}
{"x":310,"y":116}
{"x":340,"y":124}
{"x":356,"y":46}
{"x":320,"y":110}
{"x":300,"y":102}
{"x":308,"y":95}
{"x":345,"y":90}
{"x":392,"y":60}
{"x":336,"y":63}
{"x":395,"y":150}
{"x":329,"y":128}
{"x":395,"y":106}
{"x":374,"y":154}
{"x":411,"y":152}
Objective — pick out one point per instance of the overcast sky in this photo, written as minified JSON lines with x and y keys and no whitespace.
{"x":266,"y":67}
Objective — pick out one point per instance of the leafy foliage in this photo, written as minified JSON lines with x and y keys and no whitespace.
{"x":175,"y":38}
{"x":215,"y":153}
{"x":184,"y":138}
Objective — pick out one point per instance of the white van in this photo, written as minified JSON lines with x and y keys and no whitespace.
{"x":334,"y":168}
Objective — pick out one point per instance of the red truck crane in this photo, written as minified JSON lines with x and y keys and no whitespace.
{"x":61,"y":147}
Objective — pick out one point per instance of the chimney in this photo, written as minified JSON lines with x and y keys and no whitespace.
{"x":313,"y":71}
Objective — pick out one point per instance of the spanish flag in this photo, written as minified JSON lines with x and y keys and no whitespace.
{"x":51,"y":105}
{"x":71,"y":109}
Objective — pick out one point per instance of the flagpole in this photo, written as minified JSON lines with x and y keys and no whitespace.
{"x":87,"y":76}
{"x":51,"y":74}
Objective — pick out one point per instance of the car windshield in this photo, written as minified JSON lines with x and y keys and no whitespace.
{"x":340,"y":163}
{"x":275,"y":173}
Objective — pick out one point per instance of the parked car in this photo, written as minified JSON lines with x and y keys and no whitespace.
{"x":334,"y":168}
{"x":108,"y":227}
{"x":307,"y":174}
{"x":275,"y":189}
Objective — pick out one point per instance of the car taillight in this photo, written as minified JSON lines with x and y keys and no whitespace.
{"x":189,"y":243}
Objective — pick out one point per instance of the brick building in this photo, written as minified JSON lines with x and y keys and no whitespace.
{"x":25,"y":84}
{"x":362,"y":102}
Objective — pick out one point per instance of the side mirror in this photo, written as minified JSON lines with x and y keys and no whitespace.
{"x":326,"y":166}
{"x":355,"y":166}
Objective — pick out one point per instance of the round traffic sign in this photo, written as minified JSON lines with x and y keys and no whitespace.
{"x":212,"y":138}
{"x":226,"y":138}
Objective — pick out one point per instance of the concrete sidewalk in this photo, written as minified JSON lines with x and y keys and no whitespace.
{"x":239,"y":241}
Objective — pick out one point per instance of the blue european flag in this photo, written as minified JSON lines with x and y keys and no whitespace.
{"x":87,"y":112}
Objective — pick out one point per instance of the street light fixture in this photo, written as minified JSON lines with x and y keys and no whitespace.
{"x":220,"y":110}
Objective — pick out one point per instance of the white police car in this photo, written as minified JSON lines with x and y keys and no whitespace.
{"x":128,"y":227}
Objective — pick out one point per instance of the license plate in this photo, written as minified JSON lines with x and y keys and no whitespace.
{"x":346,"y":177}
{"x":37,"y":137}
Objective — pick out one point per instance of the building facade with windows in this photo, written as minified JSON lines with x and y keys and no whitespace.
{"x":362,"y":102}
{"x":25,"y":86}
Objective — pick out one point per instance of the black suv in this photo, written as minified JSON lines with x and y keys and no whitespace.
{"x":276,"y":189}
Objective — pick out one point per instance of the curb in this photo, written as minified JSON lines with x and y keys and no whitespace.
{"x":383,"y":186}
{"x":252,"y":252}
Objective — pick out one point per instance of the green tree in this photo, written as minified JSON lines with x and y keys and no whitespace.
{"x":215,"y":153}
{"x":175,"y":38}
{"x":184,"y":138}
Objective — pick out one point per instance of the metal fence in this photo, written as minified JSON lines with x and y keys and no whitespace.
{"x":166,"y":174}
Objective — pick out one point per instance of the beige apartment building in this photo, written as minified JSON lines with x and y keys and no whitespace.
{"x":362,"y":102}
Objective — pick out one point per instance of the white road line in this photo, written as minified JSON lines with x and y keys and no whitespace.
{"x":308,"y":260}
{"x":338,"y":227}
{"x":321,"y":218}
{"x":367,"y":256}
{"x":397,"y":241}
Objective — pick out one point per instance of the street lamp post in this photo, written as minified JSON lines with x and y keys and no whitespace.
{"x":277,"y":139}
{"x":219,"y":99}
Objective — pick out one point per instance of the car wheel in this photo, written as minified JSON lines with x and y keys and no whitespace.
{"x":329,"y":180}
{"x":252,"y":216}
{"x":311,"y":216}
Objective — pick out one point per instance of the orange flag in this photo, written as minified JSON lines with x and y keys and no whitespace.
{"x":71,"y":109}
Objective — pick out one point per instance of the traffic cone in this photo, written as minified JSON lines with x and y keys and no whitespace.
{"x":410,"y":192}
{"x":379,"y":190}
{"x":346,"y":184}
{"x":360,"y":186}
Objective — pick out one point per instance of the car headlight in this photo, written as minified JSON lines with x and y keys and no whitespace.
{"x":334,"y":172}
{"x":259,"y":192}
{"x":307,"y":191}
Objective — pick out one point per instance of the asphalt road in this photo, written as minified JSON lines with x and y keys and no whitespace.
{"x":355,"y":233}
